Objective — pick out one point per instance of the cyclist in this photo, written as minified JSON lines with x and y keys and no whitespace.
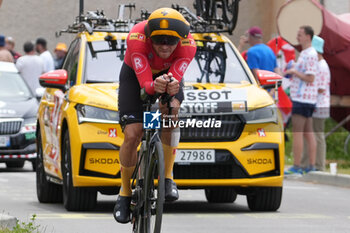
{"x":158,"y":53}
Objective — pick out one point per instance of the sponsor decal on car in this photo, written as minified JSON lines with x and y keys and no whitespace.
{"x":112,"y":132}
{"x":261,"y":132}
{"x":199,"y":102}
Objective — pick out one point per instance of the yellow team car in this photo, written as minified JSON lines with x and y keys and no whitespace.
{"x":238,"y":148}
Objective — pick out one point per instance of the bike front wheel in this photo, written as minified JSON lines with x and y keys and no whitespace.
{"x":154,"y":190}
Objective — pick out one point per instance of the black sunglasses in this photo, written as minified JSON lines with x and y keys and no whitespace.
{"x":165,"y":40}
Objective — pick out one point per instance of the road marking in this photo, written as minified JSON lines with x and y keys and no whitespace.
{"x":257,"y":216}
{"x":4,"y":180}
{"x":300,"y":187}
{"x":289,"y":216}
{"x":74,"y":216}
{"x":214,"y":216}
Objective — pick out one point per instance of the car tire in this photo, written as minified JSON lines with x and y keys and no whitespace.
{"x":34,"y":165}
{"x":74,"y":199}
{"x":15,"y":164}
{"x":220,"y":195}
{"x":265,"y":199}
{"x":46,"y":191}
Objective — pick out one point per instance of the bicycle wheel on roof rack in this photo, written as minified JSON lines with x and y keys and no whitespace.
{"x":230,"y":10}
{"x":205,"y":8}
{"x":225,"y":11}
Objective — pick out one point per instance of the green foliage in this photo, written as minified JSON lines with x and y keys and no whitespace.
{"x":335,"y":145}
{"x":23,"y":227}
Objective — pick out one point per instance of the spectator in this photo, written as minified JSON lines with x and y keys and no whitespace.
{"x":321,"y":112}
{"x":41,"y":48}
{"x":259,"y":55}
{"x":5,"y":55}
{"x":304,"y":96}
{"x":30,"y":66}
{"x":10,"y":45}
{"x":60,"y":52}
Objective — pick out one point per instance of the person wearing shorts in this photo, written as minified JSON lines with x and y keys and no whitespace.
{"x":303,"y":93}
{"x":158,"y":53}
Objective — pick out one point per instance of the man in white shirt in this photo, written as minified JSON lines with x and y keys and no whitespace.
{"x":303,"y":93}
{"x":45,"y":55}
{"x":30,"y":66}
{"x":322,"y":110}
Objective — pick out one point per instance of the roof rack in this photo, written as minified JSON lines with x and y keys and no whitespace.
{"x":96,"y":21}
{"x":201,"y":22}
{"x":211,"y":15}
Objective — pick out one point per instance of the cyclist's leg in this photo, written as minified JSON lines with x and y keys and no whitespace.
{"x":128,"y":155}
{"x":170,"y":139}
{"x":130,"y":109}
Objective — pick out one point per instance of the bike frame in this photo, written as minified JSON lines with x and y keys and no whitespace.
{"x":142,"y":171}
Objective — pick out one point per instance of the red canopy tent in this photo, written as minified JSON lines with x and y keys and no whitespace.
{"x":335,"y":30}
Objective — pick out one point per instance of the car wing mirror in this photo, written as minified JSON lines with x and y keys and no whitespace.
{"x":269,"y":79}
{"x":54,"y":79}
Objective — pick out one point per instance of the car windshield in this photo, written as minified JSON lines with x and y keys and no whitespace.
{"x":12,"y":86}
{"x":215,"y":62}
{"x":104,"y":61}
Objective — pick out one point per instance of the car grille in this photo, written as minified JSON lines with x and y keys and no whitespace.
{"x":230,"y":130}
{"x":10,"y":126}
{"x":215,"y":171}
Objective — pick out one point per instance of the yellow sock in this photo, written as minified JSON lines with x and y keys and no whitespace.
{"x":169,"y":158}
{"x":126,"y":173}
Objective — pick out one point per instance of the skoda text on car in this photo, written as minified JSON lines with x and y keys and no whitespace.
{"x":237,"y":148}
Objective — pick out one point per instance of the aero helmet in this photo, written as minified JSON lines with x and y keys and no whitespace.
{"x":167,"y":26}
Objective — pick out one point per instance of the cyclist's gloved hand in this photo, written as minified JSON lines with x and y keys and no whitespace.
{"x":160,"y":84}
{"x":173,"y":86}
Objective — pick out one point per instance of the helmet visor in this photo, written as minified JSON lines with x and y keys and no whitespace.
{"x":165,"y":40}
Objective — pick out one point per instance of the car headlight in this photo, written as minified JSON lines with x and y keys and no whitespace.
{"x":29,"y":128}
{"x":88,"y":113}
{"x":262,"y":115}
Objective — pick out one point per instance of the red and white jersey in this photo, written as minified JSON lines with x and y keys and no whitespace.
{"x":142,"y":58}
{"x":301,"y":91}
{"x":323,"y":99}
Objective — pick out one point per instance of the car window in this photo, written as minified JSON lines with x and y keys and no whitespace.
{"x":12,"y":86}
{"x":71,"y":62}
{"x":215,"y":62}
{"x":103,"y":61}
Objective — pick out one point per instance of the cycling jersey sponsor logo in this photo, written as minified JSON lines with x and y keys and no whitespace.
{"x":139,"y":62}
{"x":137,"y":36}
{"x":188,"y":42}
{"x":181,"y":66}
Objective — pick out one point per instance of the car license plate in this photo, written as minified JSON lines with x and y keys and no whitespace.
{"x":195,"y":156}
{"x":4,"y":141}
